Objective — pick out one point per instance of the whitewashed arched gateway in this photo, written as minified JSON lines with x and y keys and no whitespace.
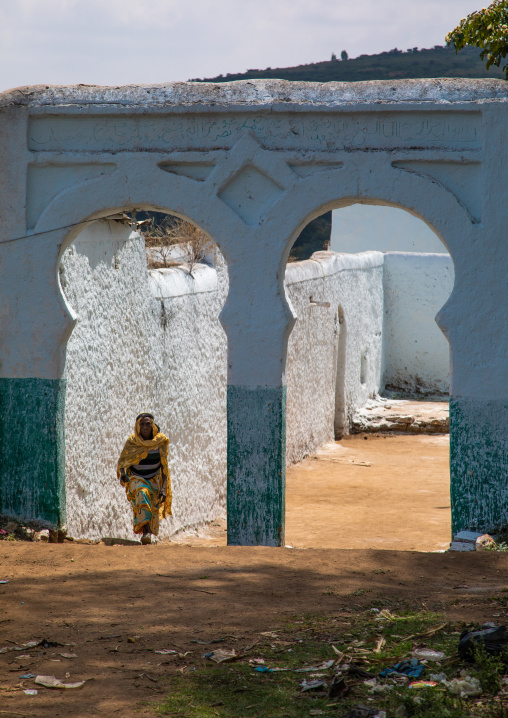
{"x":251,"y":163}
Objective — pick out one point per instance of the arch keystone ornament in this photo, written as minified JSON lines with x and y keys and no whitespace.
{"x":251,"y":164}
{"x":249,"y":193}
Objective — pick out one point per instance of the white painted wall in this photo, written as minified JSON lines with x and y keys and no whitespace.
{"x":320,"y":347}
{"x":416,"y":352}
{"x":142,"y":341}
{"x":364,"y":227}
{"x":151,"y":340}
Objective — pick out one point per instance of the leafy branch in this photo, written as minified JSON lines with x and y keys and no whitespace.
{"x":486,"y":29}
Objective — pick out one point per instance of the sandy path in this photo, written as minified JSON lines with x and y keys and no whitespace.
{"x":387,"y":491}
{"x":378,"y":491}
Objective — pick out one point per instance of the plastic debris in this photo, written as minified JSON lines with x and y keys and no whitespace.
{"x":166,"y":652}
{"x":489,"y":637}
{"x":423,"y":684}
{"x":263,"y":669}
{"x":465,"y":687}
{"x":22,"y":658}
{"x":412,"y":669}
{"x":322,"y":667}
{"x":427,"y":654}
{"x":22,"y":647}
{"x":311,"y":685}
{"x":220,"y":656}
{"x":31,"y":691}
{"x":52,"y":682}
{"x":28,"y":675}
{"x":4,"y":580}
{"x":68,"y":655}
{"x":439,"y":677}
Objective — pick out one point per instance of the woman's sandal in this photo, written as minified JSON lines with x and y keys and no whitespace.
{"x":147,"y":536}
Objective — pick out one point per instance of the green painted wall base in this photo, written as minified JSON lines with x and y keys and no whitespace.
{"x":256,"y":465}
{"x":479,"y":464}
{"x":32,"y":465}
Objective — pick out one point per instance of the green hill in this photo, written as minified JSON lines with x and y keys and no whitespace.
{"x":392,"y":65}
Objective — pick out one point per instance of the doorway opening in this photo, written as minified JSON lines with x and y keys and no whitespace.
{"x":384,"y":481}
{"x":146,"y":289}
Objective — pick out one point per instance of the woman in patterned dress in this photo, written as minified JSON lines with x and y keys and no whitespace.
{"x":143,"y":471}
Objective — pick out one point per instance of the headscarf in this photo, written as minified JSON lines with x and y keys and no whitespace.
{"x":136,"y":448}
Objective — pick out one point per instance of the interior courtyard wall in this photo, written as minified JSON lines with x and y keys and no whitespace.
{"x":317,"y":288}
{"x":416,"y":352}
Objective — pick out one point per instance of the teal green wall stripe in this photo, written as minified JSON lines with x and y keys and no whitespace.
{"x":256,"y":465}
{"x":32,"y":445}
{"x":479,"y":464}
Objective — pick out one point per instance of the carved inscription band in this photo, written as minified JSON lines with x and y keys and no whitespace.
{"x":327,"y":131}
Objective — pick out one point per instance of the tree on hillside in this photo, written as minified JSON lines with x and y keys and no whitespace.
{"x":487,"y":29}
{"x":343,"y":55}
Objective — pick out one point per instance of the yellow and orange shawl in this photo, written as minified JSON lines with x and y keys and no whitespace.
{"x":137,"y":448}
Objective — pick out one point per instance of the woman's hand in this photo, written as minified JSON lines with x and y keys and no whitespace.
{"x":162,"y":492}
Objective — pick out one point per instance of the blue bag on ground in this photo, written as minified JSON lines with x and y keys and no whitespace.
{"x":412,"y":669}
{"x":489,"y":637}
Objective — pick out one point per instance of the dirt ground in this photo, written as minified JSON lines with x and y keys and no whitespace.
{"x":388,"y":491}
{"x":113,"y":606}
{"x":372,"y":491}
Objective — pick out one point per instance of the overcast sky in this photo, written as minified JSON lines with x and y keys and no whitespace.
{"x":112,"y":42}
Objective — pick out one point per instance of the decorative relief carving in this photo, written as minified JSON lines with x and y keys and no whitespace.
{"x":463,"y":179}
{"x":305,"y":169}
{"x":198,"y":171}
{"x":45,"y":182}
{"x":316,"y":131}
{"x":249,"y":193}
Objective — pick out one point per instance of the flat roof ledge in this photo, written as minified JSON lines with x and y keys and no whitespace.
{"x":279,"y":93}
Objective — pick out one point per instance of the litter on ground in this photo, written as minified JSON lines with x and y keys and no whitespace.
{"x":52,"y":682}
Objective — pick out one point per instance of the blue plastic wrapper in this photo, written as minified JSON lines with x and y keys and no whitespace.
{"x":412,"y":669}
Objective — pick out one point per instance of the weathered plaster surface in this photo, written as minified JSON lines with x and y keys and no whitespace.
{"x":251,"y":163}
{"x":349,"y":328}
{"x":142,"y":341}
{"x":33,"y":442}
{"x":151,"y":340}
{"x":256,"y":466}
{"x":416,"y":352}
{"x":479,"y":461}
{"x":259,"y":92}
